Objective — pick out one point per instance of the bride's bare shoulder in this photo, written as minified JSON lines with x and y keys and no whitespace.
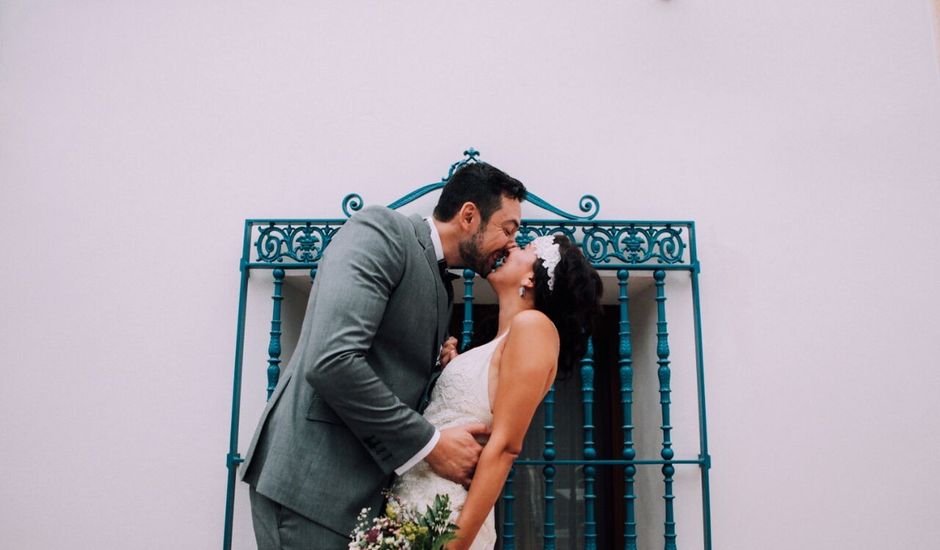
{"x":531,"y":352}
{"x":533,"y":320}
{"x":532,"y":329}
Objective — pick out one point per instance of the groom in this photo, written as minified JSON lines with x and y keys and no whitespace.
{"x":344,"y":416}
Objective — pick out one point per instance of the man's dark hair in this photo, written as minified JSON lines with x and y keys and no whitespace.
{"x":479,"y":183}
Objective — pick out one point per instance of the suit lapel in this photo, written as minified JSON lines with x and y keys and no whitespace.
{"x":423,"y":233}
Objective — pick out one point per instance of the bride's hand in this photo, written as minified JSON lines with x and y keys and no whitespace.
{"x":448,"y":351}
{"x":456,"y":544}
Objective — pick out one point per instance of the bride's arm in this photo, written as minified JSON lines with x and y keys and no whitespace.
{"x":526,"y":370}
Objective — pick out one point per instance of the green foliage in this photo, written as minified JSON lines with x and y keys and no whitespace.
{"x":401,"y":527}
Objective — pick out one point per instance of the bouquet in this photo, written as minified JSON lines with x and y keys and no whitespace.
{"x":403,"y":528}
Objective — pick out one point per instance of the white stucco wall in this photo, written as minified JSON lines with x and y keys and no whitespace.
{"x":801,"y":136}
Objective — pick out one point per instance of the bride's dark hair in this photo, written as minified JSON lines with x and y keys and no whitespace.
{"x":573,"y":304}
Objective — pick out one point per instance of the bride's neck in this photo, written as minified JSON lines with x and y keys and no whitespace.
{"x":509,"y":306}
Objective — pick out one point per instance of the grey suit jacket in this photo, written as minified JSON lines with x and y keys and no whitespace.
{"x":342,"y":416}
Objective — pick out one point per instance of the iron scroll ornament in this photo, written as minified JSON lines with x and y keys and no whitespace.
{"x":629,"y":245}
{"x":304,"y":243}
{"x":633,"y":245}
{"x":602,"y":243}
{"x":588,"y":204}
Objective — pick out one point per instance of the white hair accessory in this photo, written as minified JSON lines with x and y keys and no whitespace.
{"x":546,"y":249}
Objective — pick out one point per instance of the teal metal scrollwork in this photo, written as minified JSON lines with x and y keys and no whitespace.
{"x":588,"y":204}
{"x":304,"y":243}
{"x":634,"y":244}
{"x":528,"y":233}
{"x":352,"y":203}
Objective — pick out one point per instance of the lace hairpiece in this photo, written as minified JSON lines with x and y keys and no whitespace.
{"x":546,"y":249}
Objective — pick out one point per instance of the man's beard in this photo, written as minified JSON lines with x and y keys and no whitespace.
{"x":472,"y":256}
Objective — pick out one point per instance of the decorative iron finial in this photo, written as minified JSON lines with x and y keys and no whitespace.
{"x":588,"y":204}
{"x":352,"y":203}
{"x":471,"y":155}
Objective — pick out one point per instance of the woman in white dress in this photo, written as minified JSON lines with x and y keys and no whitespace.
{"x":549,"y":297}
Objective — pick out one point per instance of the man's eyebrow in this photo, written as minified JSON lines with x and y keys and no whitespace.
{"x":515,"y":224}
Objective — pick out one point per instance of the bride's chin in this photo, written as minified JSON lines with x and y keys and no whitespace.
{"x":493,"y":279}
{"x":499,"y":285}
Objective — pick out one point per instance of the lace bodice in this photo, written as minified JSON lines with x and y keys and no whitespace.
{"x":461,"y":396}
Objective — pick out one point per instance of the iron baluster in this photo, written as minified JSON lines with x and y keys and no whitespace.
{"x":548,"y":535}
{"x":705,"y":458}
{"x":662,"y":352}
{"x":274,"y":347}
{"x":509,"y":526}
{"x":587,"y":399}
{"x":467,"y":333}
{"x":233,"y":459}
{"x":626,"y":400}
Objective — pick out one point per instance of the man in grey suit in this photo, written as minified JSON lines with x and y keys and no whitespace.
{"x":344,"y":418}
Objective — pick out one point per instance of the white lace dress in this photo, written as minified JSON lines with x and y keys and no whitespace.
{"x":461,"y":396}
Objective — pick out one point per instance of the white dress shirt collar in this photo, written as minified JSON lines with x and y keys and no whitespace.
{"x":436,"y":240}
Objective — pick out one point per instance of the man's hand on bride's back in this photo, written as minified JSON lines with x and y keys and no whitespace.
{"x":457,"y":451}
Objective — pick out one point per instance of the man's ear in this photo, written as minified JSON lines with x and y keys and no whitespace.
{"x":469,"y":217}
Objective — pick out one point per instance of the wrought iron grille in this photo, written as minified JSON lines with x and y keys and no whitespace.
{"x":627,"y":248}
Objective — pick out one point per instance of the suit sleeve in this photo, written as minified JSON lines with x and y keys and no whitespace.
{"x":360,"y":270}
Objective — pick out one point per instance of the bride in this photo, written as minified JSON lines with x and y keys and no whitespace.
{"x":548,"y":297}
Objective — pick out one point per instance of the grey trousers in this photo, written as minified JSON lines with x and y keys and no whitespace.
{"x":280,"y":528}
